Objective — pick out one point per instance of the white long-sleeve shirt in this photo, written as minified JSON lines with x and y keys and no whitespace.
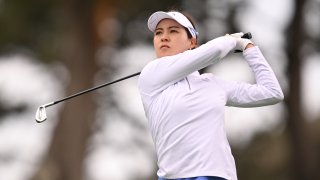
{"x":185,"y":110}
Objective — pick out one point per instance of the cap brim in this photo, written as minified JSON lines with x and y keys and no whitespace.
{"x":156,"y":17}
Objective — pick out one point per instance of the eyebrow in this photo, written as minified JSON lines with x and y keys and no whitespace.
{"x":168,"y":28}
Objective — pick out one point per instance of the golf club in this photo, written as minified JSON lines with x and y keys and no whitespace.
{"x":41,"y":114}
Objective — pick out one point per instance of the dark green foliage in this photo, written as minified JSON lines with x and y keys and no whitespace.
{"x":27,"y":25}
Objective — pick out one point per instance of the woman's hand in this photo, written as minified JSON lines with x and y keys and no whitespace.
{"x":242,"y":43}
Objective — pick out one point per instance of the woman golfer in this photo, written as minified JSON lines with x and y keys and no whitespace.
{"x":185,"y":110}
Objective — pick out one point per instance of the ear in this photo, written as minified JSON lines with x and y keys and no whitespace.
{"x":193,"y":43}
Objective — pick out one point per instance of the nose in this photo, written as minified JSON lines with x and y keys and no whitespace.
{"x":164,"y":37}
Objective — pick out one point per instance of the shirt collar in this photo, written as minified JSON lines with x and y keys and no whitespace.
{"x":195,"y":73}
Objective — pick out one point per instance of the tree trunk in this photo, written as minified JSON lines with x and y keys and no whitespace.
{"x":301,"y":154}
{"x":67,"y":151}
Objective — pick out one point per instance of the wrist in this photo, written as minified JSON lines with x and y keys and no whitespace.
{"x":250,"y":45}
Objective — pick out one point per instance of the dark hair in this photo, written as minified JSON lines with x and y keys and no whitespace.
{"x":188,"y":16}
{"x":193,"y":24}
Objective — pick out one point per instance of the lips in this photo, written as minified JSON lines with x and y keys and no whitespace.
{"x":164,"y":46}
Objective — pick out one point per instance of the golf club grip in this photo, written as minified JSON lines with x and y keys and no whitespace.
{"x":247,"y":35}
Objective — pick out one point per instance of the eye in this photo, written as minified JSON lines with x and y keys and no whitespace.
{"x":157,"y":33}
{"x":173,"y":31}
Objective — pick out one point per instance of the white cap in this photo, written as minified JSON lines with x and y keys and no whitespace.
{"x":156,"y":17}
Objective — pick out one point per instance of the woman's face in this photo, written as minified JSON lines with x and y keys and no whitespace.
{"x":170,"y":38}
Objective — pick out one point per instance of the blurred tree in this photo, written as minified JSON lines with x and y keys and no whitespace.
{"x":77,"y":48}
{"x":27,"y":26}
{"x":265,"y":158}
{"x":302,"y":156}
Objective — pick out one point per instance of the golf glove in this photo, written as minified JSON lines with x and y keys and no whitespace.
{"x":241,"y":42}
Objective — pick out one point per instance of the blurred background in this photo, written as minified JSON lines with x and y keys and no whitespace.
{"x":54,"y":48}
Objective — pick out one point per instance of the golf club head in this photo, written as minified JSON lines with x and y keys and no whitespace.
{"x":41,"y":114}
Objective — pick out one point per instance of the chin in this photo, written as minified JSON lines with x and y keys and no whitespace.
{"x":165,"y":54}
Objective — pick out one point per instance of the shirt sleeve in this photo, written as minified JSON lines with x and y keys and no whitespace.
{"x":161,"y":73}
{"x":266,"y":91}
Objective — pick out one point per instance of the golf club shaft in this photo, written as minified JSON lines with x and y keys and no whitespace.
{"x":91,"y":89}
{"x":246,"y":35}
